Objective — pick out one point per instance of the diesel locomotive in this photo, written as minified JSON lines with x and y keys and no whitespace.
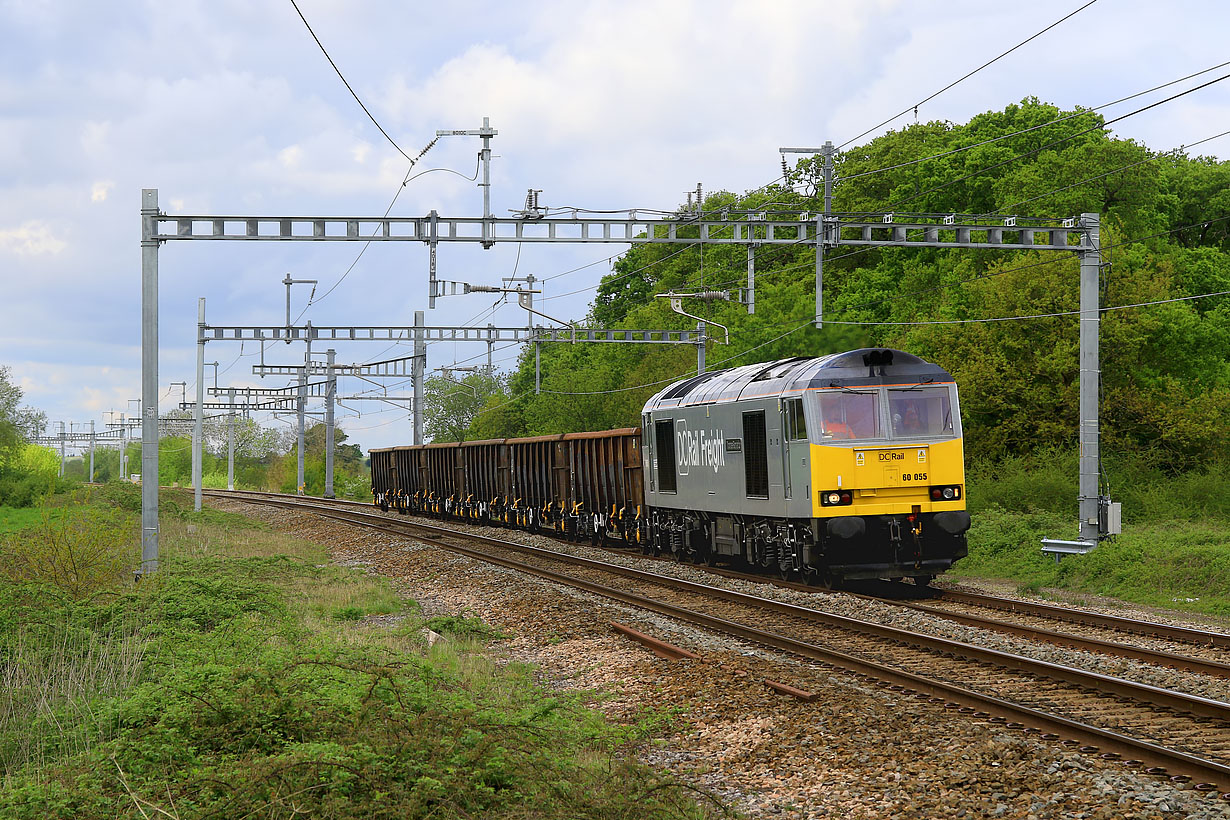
{"x":833,"y":468}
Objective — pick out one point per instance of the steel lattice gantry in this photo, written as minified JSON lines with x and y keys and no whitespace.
{"x":750,"y":228}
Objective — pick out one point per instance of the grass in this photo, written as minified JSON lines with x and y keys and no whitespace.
{"x":246,"y":678}
{"x":16,"y":519}
{"x":1174,"y":551}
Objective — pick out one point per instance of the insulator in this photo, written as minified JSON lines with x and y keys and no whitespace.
{"x":712,"y":295}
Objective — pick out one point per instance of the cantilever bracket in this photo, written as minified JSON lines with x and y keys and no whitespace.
{"x":525,"y":299}
{"x":677,"y":306}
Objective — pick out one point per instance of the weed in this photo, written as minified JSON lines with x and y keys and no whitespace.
{"x":464,"y":627}
{"x":1160,"y":564}
{"x":348,"y":613}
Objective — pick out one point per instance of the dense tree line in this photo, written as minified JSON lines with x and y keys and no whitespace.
{"x":265,"y":459}
{"x":1165,"y":232}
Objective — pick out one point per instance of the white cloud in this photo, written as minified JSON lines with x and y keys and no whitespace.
{"x":291,"y":156}
{"x":100,"y":191}
{"x":32,"y":238}
{"x":95,"y":138}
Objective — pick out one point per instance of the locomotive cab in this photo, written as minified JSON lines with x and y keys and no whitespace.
{"x":840,"y":467}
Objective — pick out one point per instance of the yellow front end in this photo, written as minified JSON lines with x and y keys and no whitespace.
{"x":888,"y":479}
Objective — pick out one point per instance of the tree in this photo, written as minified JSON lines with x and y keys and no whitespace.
{"x":251,"y":439}
{"x":17,"y":423}
{"x":24,"y":473}
{"x":451,"y":405}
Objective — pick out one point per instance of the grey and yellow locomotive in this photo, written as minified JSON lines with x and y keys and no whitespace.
{"x":840,"y":467}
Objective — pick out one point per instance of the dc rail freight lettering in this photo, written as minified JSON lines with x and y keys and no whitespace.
{"x":840,"y":467}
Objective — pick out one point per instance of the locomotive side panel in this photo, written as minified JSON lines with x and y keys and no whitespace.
{"x":725,"y":458}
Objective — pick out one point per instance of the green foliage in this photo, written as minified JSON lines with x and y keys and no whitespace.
{"x":464,"y":627}
{"x":83,"y":551}
{"x":212,"y":689}
{"x":17,"y":423}
{"x":28,"y":474}
{"x":1168,"y":563}
{"x":1166,"y":367}
{"x":451,"y":404}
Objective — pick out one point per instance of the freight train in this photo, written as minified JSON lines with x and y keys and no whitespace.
{"x":830,"y":468}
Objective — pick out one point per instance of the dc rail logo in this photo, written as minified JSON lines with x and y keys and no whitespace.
{"x":699,"y":448}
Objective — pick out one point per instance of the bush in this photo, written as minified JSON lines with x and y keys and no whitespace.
{"x":21,"y":490}
{"x":82,"y":552}
{"x":242,"y":711}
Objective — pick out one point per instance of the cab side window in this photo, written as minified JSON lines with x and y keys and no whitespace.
{"x":796,"y":425}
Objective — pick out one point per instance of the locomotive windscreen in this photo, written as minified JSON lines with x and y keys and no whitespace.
{"x":849,"y":414}
{"x":921,"y":411}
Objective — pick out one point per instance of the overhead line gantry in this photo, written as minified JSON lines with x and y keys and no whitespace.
{"x":820,"y":231}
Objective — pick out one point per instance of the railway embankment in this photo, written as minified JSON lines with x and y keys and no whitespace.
{"x":856,"y":750}
{"x":254,"y":676}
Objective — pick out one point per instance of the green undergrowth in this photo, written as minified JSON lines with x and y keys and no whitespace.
{"x":248,"y":678}
{"x":1174,"y":551}
{"x":15,"y":519}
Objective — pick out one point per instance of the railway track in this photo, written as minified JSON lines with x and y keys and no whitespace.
{"x":1164,"y":645}
{"x":1164,"y":732}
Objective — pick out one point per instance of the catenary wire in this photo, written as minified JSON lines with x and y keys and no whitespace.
{"x":347,"y":84}
{"x":1053,"y":143}
{"x":405,"y":181}
{"x":915,"y":106}
{"x":965,"y":148}
{"x":1083,"y":112}
{"x":986,"y":320}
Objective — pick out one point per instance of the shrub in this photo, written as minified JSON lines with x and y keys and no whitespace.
{"x":82,"y":552}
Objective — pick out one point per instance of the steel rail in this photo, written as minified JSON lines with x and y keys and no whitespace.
{"x":1113,"y":745}
{"x":1160,"y":658}
{"x":1078,"y":616}
{"x":1181,"y":662}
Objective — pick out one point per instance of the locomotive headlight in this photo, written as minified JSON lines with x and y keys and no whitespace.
{"x":949,"y":493}
{"x":836,"y":498}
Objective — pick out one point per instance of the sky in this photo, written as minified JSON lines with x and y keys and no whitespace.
{"x":229,"y":107}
